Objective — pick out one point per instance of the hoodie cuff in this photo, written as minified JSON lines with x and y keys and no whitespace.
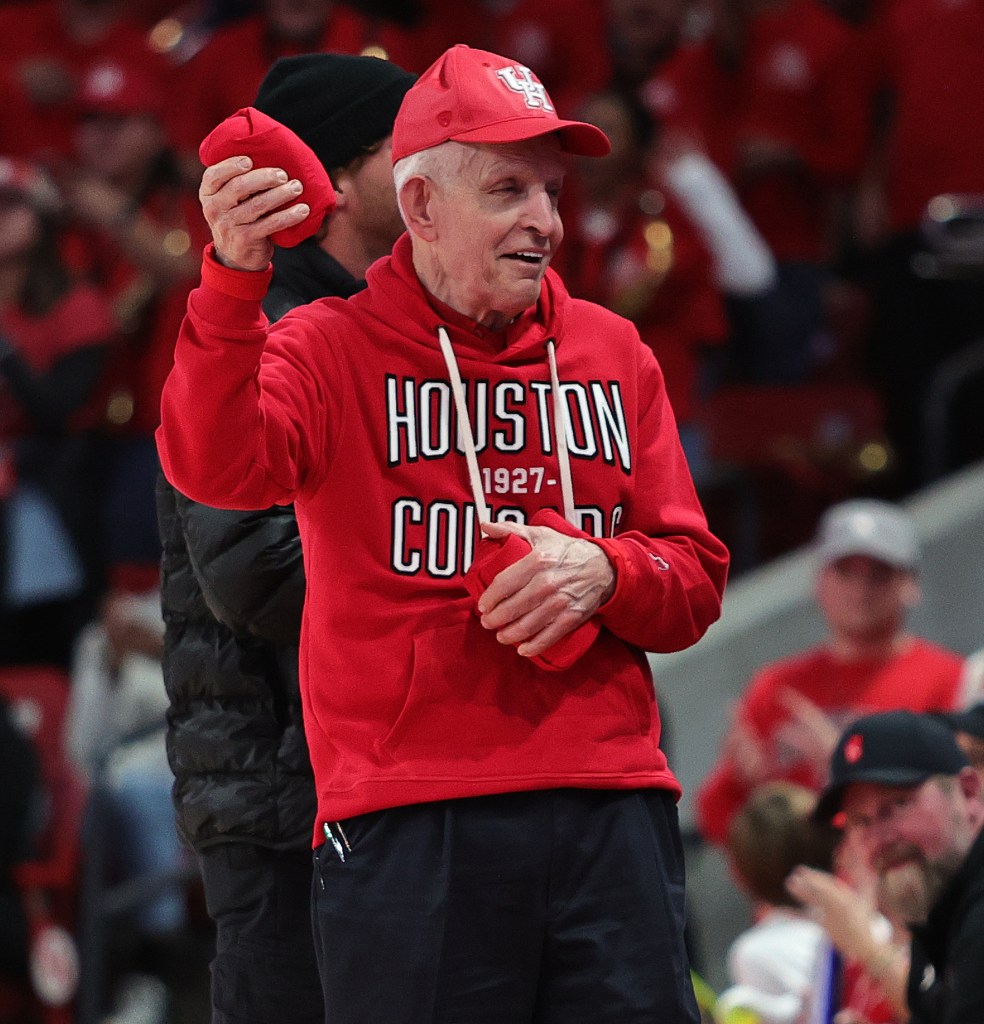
{"x":238,"y":284}
{"x":631,"y":577}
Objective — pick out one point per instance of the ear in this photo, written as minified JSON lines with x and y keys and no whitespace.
{"x":970,"y":783}
{"x":911,"y":592}
{"x":416,"y":203}
{"x":341,"y":180}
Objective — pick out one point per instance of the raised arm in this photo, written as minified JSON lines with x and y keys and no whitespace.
{"x":234,"y":434}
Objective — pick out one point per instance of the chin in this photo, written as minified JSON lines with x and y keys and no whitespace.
{"x":903,"y":890}
{"x":527,"y":294}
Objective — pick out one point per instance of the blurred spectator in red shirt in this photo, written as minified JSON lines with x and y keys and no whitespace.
{"x":138,"y":232}
{"x":562,"y":39}
{"x":778,"y":97}
{"x":931,"y":52}
{"x":787,"y":722}
{"x":54,"y":338}
{"x":928,"y":313}
{"x":46,"y":47}
{"x":629,"y":246}
{"x":225,"y":75}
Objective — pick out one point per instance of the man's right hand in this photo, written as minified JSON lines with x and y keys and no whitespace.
{"x":243,"y":204}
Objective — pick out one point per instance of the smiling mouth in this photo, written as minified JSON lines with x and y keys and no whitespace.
{"x":530,"y":258}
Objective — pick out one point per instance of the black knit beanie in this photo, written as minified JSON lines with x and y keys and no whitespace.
{"x":337,"y":103}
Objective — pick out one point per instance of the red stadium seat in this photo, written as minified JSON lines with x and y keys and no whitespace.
{"x":38,"y":696}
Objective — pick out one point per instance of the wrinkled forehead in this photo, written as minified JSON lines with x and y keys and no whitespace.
{"x":541,"y":156}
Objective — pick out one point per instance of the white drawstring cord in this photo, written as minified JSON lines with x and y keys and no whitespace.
{"x":464,"y":426}
{"x":468,"y":438}
{"x":560,"y":433}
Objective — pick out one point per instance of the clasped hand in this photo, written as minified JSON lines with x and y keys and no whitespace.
{"x":547,"y":594}
{"x":242,"y":205}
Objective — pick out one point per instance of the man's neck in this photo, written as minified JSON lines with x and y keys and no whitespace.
{"x":879,"y":648}
{"x":352,"y":250}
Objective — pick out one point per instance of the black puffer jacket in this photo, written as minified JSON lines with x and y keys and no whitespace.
{"x":235,"y":734}
{"x":232,"y":590}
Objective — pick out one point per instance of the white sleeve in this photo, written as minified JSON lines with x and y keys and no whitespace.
{"x":768,"y":1008}
{"x":972,"y":680}
{"x":88,"y":722}
{"x":744,"y":264}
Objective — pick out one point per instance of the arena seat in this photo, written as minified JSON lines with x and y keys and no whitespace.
{"x":782,"y":454}
{"x":48,"y":880}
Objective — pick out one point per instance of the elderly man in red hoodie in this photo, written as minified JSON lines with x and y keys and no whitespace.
{"x":497,"y":522}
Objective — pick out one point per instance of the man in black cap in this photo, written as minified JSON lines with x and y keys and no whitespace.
{"x":867,"y":559}
{"x":912,"y":805}
{"x":233,"y":589}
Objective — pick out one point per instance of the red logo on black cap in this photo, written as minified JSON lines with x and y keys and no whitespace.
{"x":853,"y":749}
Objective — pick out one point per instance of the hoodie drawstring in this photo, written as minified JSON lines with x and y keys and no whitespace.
{"x":468,"y":438}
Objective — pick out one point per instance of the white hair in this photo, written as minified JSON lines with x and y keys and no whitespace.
{"x":438,"y":163}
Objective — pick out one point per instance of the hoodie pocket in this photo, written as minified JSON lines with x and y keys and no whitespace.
{"x":470,"y":696}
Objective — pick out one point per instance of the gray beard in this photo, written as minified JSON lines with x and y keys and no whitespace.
{"x":909,"y":892}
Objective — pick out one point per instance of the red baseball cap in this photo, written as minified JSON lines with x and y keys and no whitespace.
{"x":470,"y":95}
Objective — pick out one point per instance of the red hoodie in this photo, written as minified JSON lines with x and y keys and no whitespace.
{"x":344,"y":408}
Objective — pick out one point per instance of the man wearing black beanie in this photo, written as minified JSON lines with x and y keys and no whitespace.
{"x":343,"y":107}
{"x":233,"y":587}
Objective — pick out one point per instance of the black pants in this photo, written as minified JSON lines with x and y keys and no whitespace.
{"x":555,"y":907}
{"x":264,"y":971}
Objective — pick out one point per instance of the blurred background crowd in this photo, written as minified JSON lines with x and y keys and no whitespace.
{"x":792,"y":214}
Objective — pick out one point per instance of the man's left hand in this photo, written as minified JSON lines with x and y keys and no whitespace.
{"x":547,"y":594}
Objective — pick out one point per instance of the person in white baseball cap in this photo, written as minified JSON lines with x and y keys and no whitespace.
{"x":866,"y":526}
{"x":866,"y":555}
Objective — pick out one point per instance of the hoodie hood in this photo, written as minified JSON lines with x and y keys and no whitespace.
{"x":420,"y":318}
{"x":399,"y":299}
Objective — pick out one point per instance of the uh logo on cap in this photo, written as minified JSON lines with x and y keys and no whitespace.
{"x":520,"y":79}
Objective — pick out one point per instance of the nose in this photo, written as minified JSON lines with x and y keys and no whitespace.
{"x":881,"y":836}
{"x":540,"y":213}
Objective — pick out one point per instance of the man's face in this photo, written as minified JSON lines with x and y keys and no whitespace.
{"x":497,"y":227}
{"x":604,"y":175}
{"x":20,"y":226}
{"x":297,"y":19}
{"x":913,"y":838}
{"x":864,"y":599}
{"x":118,"y":146}
{"x":371,"y":197}
{"x":647,"y":29}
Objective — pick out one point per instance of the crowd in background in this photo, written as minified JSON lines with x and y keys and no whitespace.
{"x":791,"y":214}
{"x":787,"y":214}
